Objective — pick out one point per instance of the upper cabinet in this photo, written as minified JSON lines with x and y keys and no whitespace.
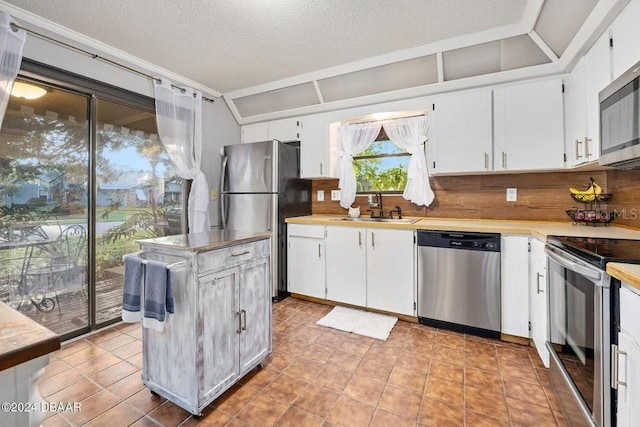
{"x":625,"y":32}
{"x":590,"y":75}
{"x":461,"y":133}
{"x":529,"y":126}
{"x":255,"y":132}
{"x":315,"y":147}
{"x":285,"y":130}
{"x":282,"y":130}
{"x":518,"y":127}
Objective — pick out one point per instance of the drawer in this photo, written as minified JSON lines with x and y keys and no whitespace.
{"x":630,"y":310}
{"x":232,"y":255}
{"x":298,"y":230}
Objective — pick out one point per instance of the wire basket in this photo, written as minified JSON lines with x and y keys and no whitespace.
{"x":591,"y":216}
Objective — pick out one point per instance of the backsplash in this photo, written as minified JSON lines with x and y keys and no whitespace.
{"x":541,"y":196}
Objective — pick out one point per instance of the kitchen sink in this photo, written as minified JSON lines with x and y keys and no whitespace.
{"x":368,"y":219}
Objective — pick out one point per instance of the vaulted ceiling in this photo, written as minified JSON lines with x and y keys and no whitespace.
{"x":273,"y":56}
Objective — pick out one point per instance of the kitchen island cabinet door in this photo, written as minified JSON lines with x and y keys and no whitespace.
{"x":390,"y":271}
{"x":218,"y":315}
{"x":462,"y":133}
{"x":254,"y":313}
{"x":306,"y":266}
{"x":346,"y":265}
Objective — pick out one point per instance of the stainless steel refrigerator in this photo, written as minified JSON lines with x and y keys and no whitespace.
{"x":260,"y":186}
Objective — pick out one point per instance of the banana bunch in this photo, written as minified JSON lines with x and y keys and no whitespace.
{"x":588,"y":195}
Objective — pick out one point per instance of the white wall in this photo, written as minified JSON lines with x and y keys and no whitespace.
{"x":219,"y":126}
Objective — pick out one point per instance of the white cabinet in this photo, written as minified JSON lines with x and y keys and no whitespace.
{"x":627,"y":357}
{"x":529,"y":126}
{"x":306,"y":260}
{"x":626,"y":38}
{"x":221,"y":327}
{"x":515,"y":285}
{"x":390,"y":270}
{"x":256,"y":132}
{"x":282,"y":130}
{"x":346,"y":252}
{"x":462,"y":133}
{"x":285,"y":130}
{"x":590,"y":75}
{"x":538,"y":298}
{"x":315,"y":147}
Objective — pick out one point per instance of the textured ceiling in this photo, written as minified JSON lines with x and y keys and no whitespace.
{"x":233,"y":44}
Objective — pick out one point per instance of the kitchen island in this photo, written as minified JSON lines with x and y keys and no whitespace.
{"x":221,"y":328}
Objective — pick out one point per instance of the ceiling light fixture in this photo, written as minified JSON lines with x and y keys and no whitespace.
{"x":27,"y":90}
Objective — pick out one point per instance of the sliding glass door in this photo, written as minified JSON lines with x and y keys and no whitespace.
{"x":82,"y":177}
{"x":136,"y":188}
{"x":44,"y":208}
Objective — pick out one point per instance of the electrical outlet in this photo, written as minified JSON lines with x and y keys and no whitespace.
{"x":214,"y":195}
{"x":335,"y":194}
{"x":320,"y":195}
{"x":512,"y":194}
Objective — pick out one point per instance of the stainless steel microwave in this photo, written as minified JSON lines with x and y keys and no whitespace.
{"x":620,"y":121}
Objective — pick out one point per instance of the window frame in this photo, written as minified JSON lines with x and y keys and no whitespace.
{"x":382,"y":136}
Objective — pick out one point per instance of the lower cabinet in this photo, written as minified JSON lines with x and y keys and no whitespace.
{"x":306,"y":262}
{"x":390,"y":270}
{"x":346,"y":269}
{"x":221,"y":328}
{"x":515,"y":285}
{"x":628,"y":358}
{"x":367,"y":267}
{"x":538,"y":309}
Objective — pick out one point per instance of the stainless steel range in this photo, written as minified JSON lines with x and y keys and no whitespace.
{"x":583,"y":324}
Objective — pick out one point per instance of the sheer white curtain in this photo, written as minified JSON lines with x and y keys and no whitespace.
{"x":179,"y":118}
{"x":11,"y":43}
{"x":355,"y":139}
{"x":411,"y":134}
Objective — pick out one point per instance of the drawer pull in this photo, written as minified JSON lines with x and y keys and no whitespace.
{"x":241,"y":253}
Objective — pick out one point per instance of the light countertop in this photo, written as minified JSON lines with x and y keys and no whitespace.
{"x":538,"y":229}
{"x":206,"y":241}
{"x":628,"y":273}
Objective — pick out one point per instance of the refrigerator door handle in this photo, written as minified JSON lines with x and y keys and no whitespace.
{"x":223,"y":175}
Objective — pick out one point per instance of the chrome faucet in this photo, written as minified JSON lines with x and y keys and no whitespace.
{"x":375,"y":201}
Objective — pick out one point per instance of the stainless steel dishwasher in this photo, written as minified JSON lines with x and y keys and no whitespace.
{"x":459,"y":281}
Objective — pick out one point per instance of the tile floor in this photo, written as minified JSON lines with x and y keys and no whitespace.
{"x":318,"y":376}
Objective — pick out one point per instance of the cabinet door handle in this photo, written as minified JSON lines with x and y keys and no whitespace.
{"x":241,"y":253}
{"x":578,"y":142}
{"x":243,"y":320}
{"x":538,"y":276}
{"x":321,"y":169}
{"x":587,"y":140}
{"x":373,"y":240}
{"x":239,"y":313}
{"x":486,"y":161}
{"x":504,"y":160}
{"x":359,"y":238}
{"x":319,"y":253}
{"x":615,"y":366}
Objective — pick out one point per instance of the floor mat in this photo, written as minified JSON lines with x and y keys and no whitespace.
{"x":359,"y":322}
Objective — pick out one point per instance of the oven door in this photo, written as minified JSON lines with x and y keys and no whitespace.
{"x":579,"y":338}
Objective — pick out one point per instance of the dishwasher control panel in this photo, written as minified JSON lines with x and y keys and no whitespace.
{"x":489,"y":242}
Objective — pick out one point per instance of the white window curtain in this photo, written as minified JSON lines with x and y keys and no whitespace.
{"x":411,"y":134}
{"x":179,"y":118}
{"x":11,"y":43}
{"x":355,"y":139}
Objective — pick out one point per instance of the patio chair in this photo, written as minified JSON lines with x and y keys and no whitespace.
{"x":55,"y":267}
